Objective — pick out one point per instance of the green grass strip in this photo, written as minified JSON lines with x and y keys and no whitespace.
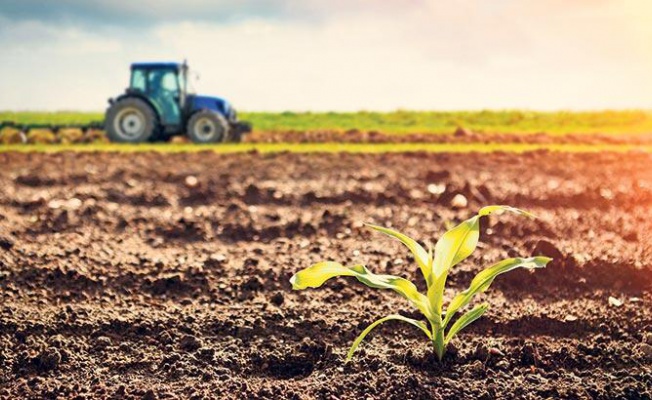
{"x":613,"y":122}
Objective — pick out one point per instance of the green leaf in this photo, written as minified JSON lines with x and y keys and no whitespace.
{"x":420,"y":255}
{"x":318,"y":274}
{"x":484,"y":211}
{"x":455,"y":246}
{"x":458,"y":243}
{"x":364,"y":333}
{"x":485,"y":278}
{"x":465,"y":320}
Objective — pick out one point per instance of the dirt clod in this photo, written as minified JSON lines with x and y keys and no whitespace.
{"x":49,"y":359}
{"x":277,"y":299}
{"x":462,"y":132}
{"x":6,"y":242}
{"x":189,"y":343}
{"x":548,"y":249}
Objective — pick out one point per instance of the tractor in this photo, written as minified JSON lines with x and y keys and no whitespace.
{"x":159,"y":105}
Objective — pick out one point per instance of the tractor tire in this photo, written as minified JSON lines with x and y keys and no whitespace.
{"x":130,"y":120}
{"x":207,"y":126}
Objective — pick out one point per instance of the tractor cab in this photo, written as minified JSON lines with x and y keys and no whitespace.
{"x":158,"y":105}
{"x":164,"y":84}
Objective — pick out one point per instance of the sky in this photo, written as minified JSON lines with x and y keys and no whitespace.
{"x":335,"y":55}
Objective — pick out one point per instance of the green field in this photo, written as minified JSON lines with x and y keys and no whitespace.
{"x":402,"y":122}
{"x":323,"y":147}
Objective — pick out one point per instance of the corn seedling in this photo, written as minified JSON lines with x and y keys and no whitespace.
{"x":453,"y":247}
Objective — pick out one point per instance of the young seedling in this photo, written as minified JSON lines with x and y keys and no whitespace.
{"x":453,"y":247}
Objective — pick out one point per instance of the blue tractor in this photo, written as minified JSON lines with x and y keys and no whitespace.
{"x":159,"y":105}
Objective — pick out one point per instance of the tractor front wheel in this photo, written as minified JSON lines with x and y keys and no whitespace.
{"x":207,"y":127}
{"x":130,"y":120}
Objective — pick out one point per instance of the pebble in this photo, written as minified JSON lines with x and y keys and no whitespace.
{"x":71,"y":204}
{"x":103,"y":341}
{"x":496,"y":352}
{"x":436,"y":188}
{"x":614,"y":302}
{"x":459,"y":201}
{"x":191,"y":181}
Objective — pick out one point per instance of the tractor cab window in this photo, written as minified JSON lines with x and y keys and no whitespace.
{"x":138,"y":81}
{"x":163,"y":90}
{"x":163,"y":82}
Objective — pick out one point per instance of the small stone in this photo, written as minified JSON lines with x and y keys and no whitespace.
{"x":103,"y":341}
{"x":614,"y":302}
{"x":191,"y":181}
{"x":55,"y":204}
{"x":496,"y":352}
{"x":73,"y":204}
{"x":436,"y":188}
{"x":570,"y":318}
{"x":416,"y":194}
{"x":459,"y":201}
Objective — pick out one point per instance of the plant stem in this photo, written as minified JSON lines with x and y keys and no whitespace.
{"x":438,"y":341}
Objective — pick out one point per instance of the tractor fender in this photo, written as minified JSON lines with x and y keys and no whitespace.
{"x":214,"y":104}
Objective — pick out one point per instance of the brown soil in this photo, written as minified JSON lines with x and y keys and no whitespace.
{"x":459,"y":136}
{"x":123,"y":278}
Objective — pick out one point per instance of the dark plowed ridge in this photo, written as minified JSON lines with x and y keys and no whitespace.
{"x":166,"y":276}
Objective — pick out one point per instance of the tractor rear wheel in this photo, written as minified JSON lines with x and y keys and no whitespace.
{"x":207,"y":127}
{"x":130,"y":120}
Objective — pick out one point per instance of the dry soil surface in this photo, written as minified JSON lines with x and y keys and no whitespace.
{"x":148,"y":276}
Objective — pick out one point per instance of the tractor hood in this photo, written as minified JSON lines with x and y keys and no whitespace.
{"x":211,"y":103}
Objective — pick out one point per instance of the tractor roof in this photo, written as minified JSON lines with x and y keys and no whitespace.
{"x":156,"y":65}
